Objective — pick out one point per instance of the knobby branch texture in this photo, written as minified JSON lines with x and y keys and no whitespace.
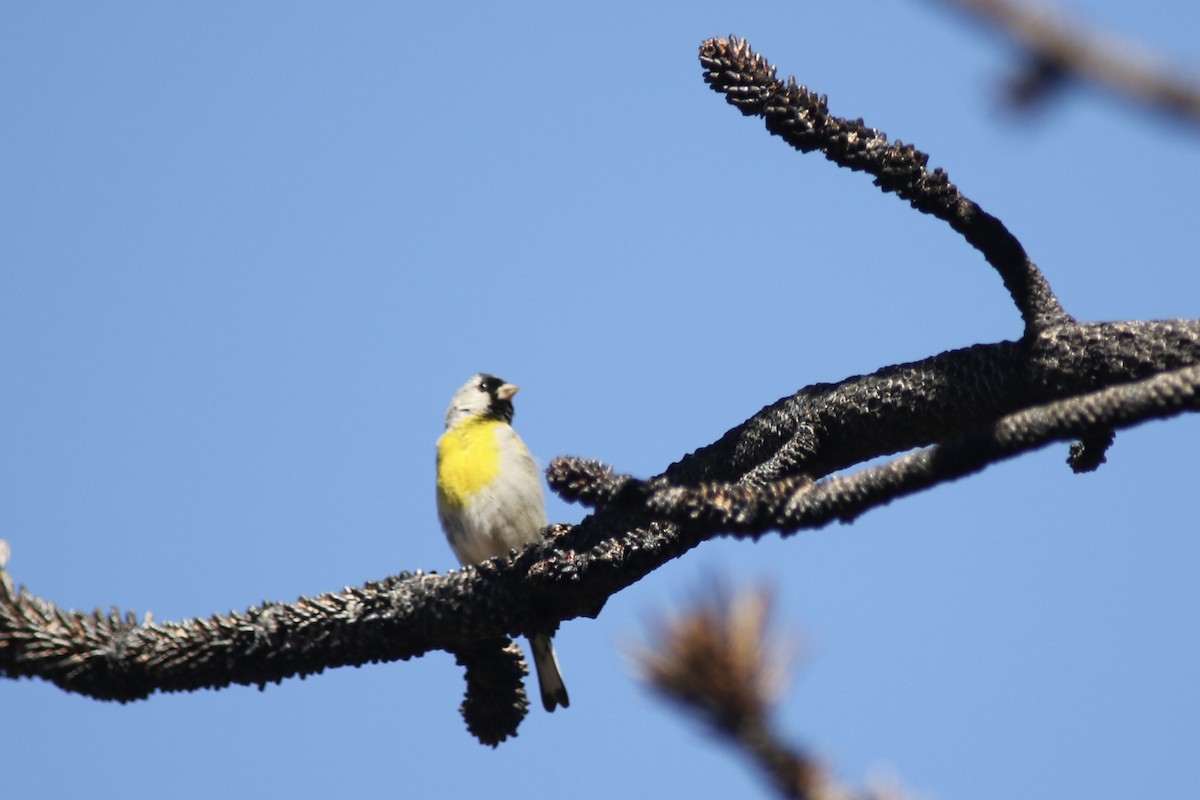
{"x":1063,"y":381}
{"x":802,"y":119}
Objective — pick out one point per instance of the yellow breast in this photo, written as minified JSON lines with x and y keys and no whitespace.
{"x":468,"y":459}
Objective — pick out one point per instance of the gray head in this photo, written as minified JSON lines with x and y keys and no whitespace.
{"x":484,"y":395}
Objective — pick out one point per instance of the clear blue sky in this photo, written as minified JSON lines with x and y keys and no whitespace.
{"x":249,"y":251}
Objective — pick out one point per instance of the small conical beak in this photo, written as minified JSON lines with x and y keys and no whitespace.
{"x":506,"y":391}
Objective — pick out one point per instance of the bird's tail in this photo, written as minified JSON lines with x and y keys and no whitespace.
{"x":554,"y":692}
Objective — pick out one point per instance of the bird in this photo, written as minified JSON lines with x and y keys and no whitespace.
{"x":489,"y":496}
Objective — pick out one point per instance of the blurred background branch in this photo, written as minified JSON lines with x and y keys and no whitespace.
{"x":720,"y":662}
{"x":1058,"y":50}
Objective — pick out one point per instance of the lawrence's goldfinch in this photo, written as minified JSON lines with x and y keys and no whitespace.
{"x":489,"y":495}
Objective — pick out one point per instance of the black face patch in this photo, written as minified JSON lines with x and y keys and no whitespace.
{"x":489,"y":384}
{"x":497,"y":408}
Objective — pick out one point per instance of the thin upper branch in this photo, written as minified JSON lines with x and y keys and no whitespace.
{"x":802,"y":119}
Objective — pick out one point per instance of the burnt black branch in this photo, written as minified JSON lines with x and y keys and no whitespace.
{"x":827,"y":427}
{"x":802,"y":119}
{"x":794,"y":503}
{"x":968,"y":408}
{"x":641,"y":526}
